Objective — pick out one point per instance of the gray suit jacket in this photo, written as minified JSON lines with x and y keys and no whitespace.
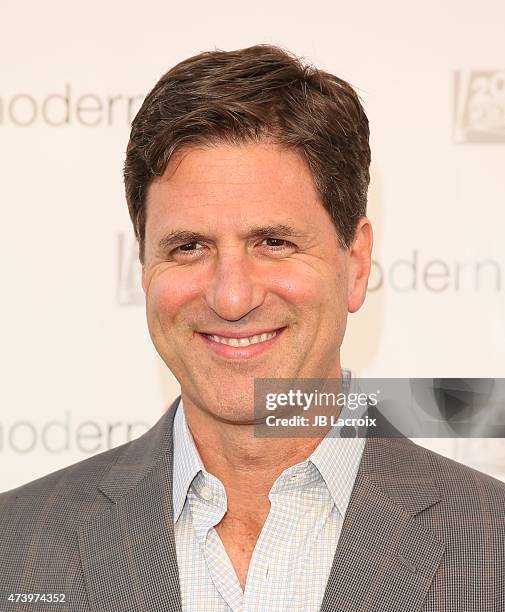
{"x":421,"y":533}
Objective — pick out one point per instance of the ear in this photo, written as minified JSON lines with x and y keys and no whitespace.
{"x":360,"y":261}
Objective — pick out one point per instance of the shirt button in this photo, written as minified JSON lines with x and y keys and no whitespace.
{"x":206,"y":493}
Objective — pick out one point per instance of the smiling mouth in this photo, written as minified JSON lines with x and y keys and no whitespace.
{"x":243,"y":341}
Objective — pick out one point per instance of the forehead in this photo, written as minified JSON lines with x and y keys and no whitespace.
{"x":257,"y":176}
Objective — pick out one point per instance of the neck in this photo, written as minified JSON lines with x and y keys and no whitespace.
{"x":247,"y":465}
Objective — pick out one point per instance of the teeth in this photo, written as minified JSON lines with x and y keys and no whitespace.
{"x":243,"y":341}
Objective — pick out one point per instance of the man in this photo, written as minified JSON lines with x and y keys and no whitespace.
{"x":246,"y":179}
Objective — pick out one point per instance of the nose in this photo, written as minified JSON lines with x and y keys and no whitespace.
{"x":236,"y":287}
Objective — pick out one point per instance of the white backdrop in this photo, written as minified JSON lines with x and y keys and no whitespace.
{"x":79,"y":373}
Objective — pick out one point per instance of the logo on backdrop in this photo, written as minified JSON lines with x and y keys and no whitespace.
{"x":66,"y":106}
{"x":129,"y":287}
{"x":418,"y":272}
{"x":63,"y":434}
{"x":479,"y":106}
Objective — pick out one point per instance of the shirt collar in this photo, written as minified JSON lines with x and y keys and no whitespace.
{"x":337,"y":459}
{"x":187,"y":461}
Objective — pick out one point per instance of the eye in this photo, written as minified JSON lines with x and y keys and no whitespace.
{"x":279,"y":247}
{"x":189,"y":250}
{"x":183,"y":248}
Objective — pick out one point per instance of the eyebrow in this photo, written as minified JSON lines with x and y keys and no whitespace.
{"x":179,"y":237}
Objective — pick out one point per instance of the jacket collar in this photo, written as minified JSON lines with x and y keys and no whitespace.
{"x":385,"y":558}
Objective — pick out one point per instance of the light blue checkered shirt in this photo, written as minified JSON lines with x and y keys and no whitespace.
{"x":293,"y":555}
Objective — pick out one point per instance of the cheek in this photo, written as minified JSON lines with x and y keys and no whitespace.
{"x":308,"y":287}
{"x":169,"y":292}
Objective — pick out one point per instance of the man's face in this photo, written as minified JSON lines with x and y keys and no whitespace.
{"x":259,"y":253}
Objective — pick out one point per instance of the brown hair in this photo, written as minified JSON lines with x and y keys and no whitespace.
{"x":259,"y":93}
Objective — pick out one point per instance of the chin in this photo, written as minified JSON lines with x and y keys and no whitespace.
{"x":235,"y":418}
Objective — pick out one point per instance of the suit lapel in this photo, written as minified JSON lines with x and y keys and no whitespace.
{"x":386,"y":558}
{"x":128,"y":551}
